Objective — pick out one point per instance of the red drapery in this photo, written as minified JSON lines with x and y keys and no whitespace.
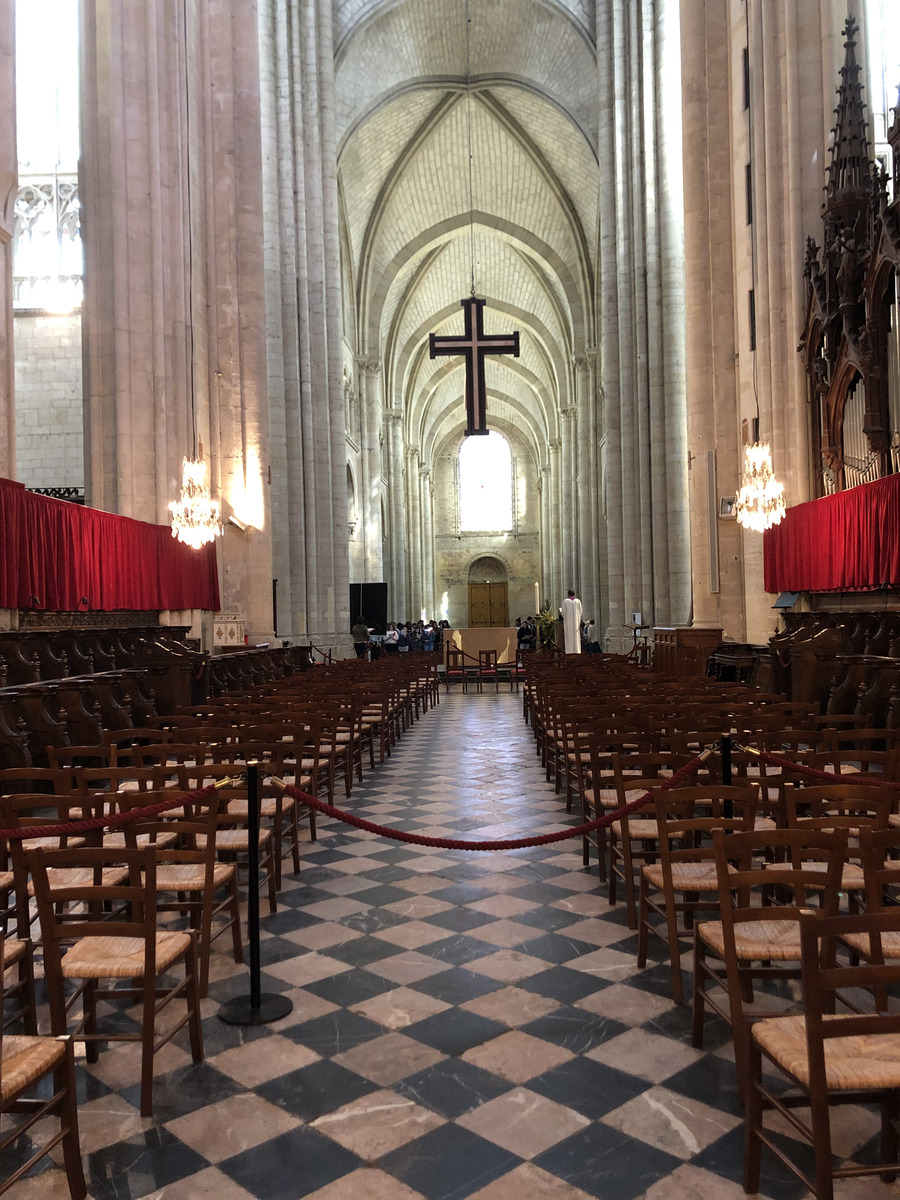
{"x":55,"y":555}
{"x":846,"y":542}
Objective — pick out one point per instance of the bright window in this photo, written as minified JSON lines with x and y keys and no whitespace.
{"x":48,"y":257}
{"x":485,"y":484}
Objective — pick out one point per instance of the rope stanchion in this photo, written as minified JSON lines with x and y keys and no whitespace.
{"x":112,"y":820}
{"x":255,"y":1009}
{"x":544,"y":839}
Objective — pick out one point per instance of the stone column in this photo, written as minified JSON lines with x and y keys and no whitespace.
{"x":795,"y":53}
{"x":586,"y":502}
{"x":412,"y":597}
{"x":710,"y":284}
{"x":304,"y":318}
{"x":556,"y":588}
{"x":174,"y":356}
{"x":397,"y":527}
{"x":571,"y":525}
{"x":642,"y":367}
{"x":546,"y":541}
{"x":426,"y":510}
{"x":370,"y":406}
{"x":9,"y":181}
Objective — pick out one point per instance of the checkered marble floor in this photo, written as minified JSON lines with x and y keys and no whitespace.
{"x":463,"y":1025}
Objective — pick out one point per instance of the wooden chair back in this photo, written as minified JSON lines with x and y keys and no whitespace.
{"x":848,"y":805}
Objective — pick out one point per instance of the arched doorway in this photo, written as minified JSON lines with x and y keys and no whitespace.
{"x":488,"y":593}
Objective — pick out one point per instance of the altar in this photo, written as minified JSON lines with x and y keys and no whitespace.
{"x":495,"y":637}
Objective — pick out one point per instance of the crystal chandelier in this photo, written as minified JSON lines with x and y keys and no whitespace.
{"x":760,"y":502}
{"x":196,"y":519}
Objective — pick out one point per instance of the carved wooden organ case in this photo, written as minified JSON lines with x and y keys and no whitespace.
{"x":850,"y":341}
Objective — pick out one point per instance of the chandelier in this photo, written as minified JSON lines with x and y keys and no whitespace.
{"x":196,"y":519}
{"x":760,"y":502}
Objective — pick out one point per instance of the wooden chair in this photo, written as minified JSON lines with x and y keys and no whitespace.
{"x":764,"y":878}
{"x":487,"y":670}
{"x":879,"y":851}
{"x":25,"y":1061}
{"x":827,"y":1057}
{"x":632,"y":839}
{"x":19,"y":958}
{"x":455,"y":671}
{"x":125,"y":945}
{"x":684,"y":882}
{"x":78,"y":756}
{"x":201,"y":888}
{"x":36,"y":809}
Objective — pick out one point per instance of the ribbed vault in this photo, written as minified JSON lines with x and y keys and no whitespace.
{"x":452,"y":182}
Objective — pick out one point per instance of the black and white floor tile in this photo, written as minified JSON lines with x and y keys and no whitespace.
{"x":463,"y":1026}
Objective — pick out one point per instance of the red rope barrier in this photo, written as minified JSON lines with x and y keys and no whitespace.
{"x":544,"y":839}
{"x":64,"y":828}
{"x":829,"y":776}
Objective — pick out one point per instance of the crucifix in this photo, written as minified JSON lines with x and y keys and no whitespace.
{"x":475,"y":344}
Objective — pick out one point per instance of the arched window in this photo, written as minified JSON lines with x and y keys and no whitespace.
{"x":48,"y":256}
{"x":485,"y":484}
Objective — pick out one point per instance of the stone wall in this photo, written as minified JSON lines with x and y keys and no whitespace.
{"x":49,"y":408}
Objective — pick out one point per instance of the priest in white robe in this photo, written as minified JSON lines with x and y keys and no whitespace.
{"x":571,"y":615}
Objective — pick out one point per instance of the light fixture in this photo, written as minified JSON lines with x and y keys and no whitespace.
{"x":237,"y":523}
{"x":196,"y":519}
{"x":759,"y":503}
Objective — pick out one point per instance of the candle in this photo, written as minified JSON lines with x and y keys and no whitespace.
{"x":537,"y":598}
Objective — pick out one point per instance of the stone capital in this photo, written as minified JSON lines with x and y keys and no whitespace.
{"x":368,"y":365}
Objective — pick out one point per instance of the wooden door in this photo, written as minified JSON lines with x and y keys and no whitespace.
{"x":488,"y":605}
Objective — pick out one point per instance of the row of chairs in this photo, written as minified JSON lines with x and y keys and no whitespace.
{"x":142,"y":906}
{"x":463,"y":669}
{"x":756,"y":877}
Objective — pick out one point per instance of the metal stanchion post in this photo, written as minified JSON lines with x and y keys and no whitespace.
{"x":728,"y":807}
{"x":257,"y":1009}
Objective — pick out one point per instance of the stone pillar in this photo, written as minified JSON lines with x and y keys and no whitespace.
{"x":642,"y":367}
{"x":370,"y":406}
{"x":9,"y":181}
{"x":173,"y":346}
{"x":546,"y":540}
{"x":713,"y":422}
{"x":396,"y":532}
{"x":586,"y":502}
{"x":570,"y":529}
{"x":304,"y":318}
{"x":795,"y":53}
{"x":412,"y":597}
{"x":426,"y":510}
{"x":556,"y":588}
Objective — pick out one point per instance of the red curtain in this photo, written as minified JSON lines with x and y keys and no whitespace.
{"x":846,"y":542}
{"x":58,"y":556}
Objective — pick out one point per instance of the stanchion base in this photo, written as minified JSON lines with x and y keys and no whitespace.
{"x":239,"y":1011}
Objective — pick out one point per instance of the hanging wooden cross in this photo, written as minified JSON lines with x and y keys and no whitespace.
{"x":475,"y":344}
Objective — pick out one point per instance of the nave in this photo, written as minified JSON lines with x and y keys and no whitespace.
{"x":463,"y":1026}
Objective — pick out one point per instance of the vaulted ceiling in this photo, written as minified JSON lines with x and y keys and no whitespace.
{"x":415,"y":218}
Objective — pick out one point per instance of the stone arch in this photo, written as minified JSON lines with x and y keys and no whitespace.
{"x":488,"y":568}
